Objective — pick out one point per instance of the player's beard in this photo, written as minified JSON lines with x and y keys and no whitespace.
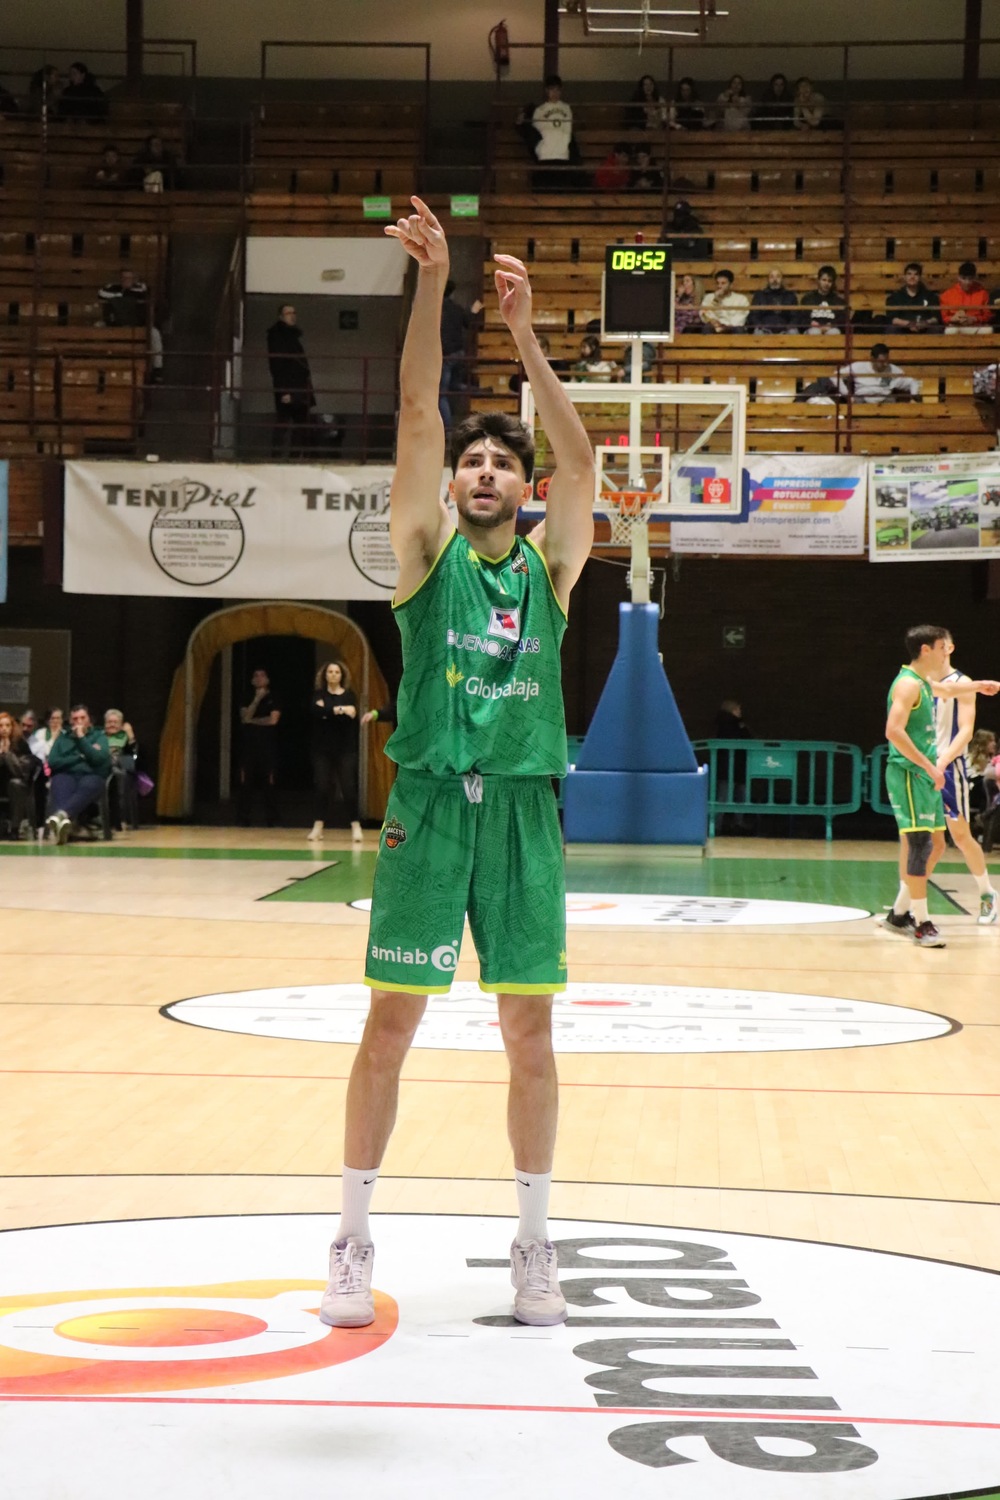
{"x":504,"y":513}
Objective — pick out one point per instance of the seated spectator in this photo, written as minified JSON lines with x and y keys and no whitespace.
{"x":125,"y":301}
{"x":17,"y":771}
{"x":154,"y":168}
{"x":9,"y":107}
{"x":809,"y":106}
{"x":112,"y":172}
{"x":591,"y":364}
{"x":645,"y":177}
{"x":965,"y":306}
{"x":776,"y":109}
{"x":824,"y":310}
{"x":734,"y":105}
{"x":771,"y":308}
{"x":686,"y":113}
{"x":982,"y":773}
{"x":684,"y":231}
{"x":688,"y":294}
{"x":42,"y":740}
{"x":514,"y":384}
{"x":724,"y":311}
{"x":124,"y":749}
{"x":44,"y":89}
{"x":80,"y":763}
{"x":913,"y":309}
{"x":876,"y":380}
{"x":82,"y":98}
{"x":29,"y":723}
{"x":553,"y":121}
{"x":648,"y":109}
{"x":614,"y":175}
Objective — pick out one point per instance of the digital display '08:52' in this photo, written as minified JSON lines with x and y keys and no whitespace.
{"x":624,"y":259}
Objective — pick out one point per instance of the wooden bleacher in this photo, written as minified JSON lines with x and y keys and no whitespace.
{"x":357,"y":149}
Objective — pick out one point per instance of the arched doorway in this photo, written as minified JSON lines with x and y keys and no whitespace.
{"x":241,"y":622}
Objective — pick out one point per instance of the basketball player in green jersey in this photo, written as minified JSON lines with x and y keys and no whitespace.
{"x":471,"y":825}
{"x":912,"y":777}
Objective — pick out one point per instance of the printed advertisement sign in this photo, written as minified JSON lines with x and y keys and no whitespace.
{"x":925,"y":509}
{"x":256,"y":531}
{"x":801,"y":505}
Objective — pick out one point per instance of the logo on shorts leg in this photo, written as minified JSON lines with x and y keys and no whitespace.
{"x":394,"y":832}
{"x":446,"y":957}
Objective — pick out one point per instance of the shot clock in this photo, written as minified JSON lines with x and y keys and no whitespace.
{"x":637,"y":298}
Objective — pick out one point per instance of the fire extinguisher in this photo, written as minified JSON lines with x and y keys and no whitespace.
{"x":500,"y":46}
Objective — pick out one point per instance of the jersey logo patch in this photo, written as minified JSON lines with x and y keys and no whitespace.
{"x":454,"y":676}
{"x":395,"y":833}
{"x":505,"y":623}
{"x":519,"y":564}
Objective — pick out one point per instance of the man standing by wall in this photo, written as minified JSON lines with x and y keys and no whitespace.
{"x":292,"y":381}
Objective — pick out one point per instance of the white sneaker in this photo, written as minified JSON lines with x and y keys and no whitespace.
{"x":348,"y":1301}
{"x":989,"y":908}
{"x":316,"y":831}
{"x":356,"y":833}
{"x":534,"y":1277}
{"x":58,"y":825}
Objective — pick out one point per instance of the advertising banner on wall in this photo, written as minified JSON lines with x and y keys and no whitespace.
{"x":4,"y":530}
{"x":801,"y":505}
{"x":926,"y":509}
{"x":255,"y":531}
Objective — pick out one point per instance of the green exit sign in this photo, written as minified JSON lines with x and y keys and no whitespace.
{"x":465,"y":205}
{"x":377,"y":208}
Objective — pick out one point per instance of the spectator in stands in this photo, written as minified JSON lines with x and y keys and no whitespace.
{"x":17,"y":771}
{"x":776,"y":109}
{"x":42,"y":740}
{"x":824,"y":310}
{"x":111,"y":173}
{"x":29,"y":723}
{"x":80,"y":763}
{"x":614,"y":175}
{"x":684,"y":231}
{"x":771,"y":308}
{"x":734,"y":105}
{"x":82,"y":98}
{"x":914,"y":308}
{"x":645,"y":177}
{"x":293,"y":387}
{"x":125,"y":302}
{"x":809,"y":106}
{"x":648,"y":109}
{"x":686,"y":113}
{"x":965,"y":306}
{"x":688,"y":294}
{"x":724,"y":311}
{"x":153,"y":167}
{"x":259,"y":750}
{"x":124,"y":749}
{"x":591,"y":364}
{"x":455,"y":325}
{"x":514,"y":384}
{"x":875,"y":380}
{"x":44,"y":89}
{"x":554,"y":122}
{"x":9,"y":107}
{"x":524,"y":127}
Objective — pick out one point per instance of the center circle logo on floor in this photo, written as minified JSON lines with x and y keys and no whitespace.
{"x":586,"y":1017}
{"x":749,"y":1367}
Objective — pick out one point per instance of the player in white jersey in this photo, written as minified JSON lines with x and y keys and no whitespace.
{"x":955,"y":723}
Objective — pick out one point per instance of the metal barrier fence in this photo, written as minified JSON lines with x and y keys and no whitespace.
{"x":790,"y":778}
{"x":874,"y":781}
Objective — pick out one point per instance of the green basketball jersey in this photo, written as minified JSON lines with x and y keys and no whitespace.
{"x":920,"y":724}
{"x":482,"y":683}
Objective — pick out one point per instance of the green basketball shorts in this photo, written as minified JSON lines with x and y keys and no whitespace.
{"x":486,"y":846}
{"x":916,"y":803}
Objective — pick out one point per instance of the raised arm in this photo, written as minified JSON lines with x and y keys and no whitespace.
{"x":905,"y":696}
{"x":566,"y":535}
{"x":966,"y":688}
{"x":418,"y":519}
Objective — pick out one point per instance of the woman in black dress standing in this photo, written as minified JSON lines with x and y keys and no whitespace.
{"x":334,"y":712}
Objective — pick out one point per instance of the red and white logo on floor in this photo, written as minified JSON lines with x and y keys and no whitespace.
{"x":743,"y":1366}
{"x":608,"y":909}
{"x":586,"y":1018}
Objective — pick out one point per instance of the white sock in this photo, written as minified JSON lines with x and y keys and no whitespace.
{"x":983,"y":883}
{"x":532,"y":1204}
{"x":920,"y":911}
{"x":901,"y":905}
{"x":356,"y":1195}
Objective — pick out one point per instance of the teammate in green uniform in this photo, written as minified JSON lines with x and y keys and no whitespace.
{"x":471,"y":826}
{"x":912,"y":777}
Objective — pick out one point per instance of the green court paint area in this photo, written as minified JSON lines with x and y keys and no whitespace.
{"x":865,"y":883}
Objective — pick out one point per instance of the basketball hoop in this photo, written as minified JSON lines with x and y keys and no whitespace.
{"x":627,"y":511}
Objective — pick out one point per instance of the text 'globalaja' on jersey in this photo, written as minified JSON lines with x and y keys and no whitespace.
{"x":528,"y":688}
{"x":492,"y":646}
